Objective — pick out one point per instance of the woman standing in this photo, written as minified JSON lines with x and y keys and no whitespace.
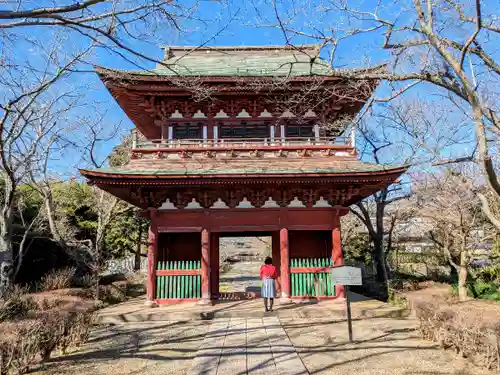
{"x":268,"y":274}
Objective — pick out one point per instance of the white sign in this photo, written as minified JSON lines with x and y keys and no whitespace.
{"x":346,"y":275}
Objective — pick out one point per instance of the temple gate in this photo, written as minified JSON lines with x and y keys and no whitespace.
{"x":241,"y":140}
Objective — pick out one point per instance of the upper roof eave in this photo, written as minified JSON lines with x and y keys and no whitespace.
{"x":369,"y":73}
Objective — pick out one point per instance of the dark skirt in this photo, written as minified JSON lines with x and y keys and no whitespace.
{"x":268,"y":290}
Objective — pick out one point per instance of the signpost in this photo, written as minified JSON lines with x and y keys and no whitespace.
{"x":347,"y":275}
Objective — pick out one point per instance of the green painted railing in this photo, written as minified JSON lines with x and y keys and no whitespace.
{"x":311,"y":278}
{"x":178,"y":280}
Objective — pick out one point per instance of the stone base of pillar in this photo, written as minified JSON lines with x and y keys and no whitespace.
{"x":284,"y":300}
{"x":340,"y":291}
{"x":150,"y":304}
{"x":205,"y":302}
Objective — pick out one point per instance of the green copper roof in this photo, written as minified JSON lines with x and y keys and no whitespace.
{"x":356,"y":168}
{"x":243,"y":62}
{"x":239,"y":62}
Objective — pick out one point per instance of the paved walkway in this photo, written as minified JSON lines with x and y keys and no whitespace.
{"x":247,"y":346}
{"x":241,"y":277}
{"x":382,"y":346}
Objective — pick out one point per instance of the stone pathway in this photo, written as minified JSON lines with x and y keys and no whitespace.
{"x":382,"y":346}
{"x":247,"y":346}
{"x":242,"y":277}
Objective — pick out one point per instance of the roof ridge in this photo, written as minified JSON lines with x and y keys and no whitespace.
{"x":241,"y":47}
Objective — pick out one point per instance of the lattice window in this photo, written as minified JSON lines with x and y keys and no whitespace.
{"x":244,"y":131}
{"x":187,"y":131}
{"x":303,"y":131}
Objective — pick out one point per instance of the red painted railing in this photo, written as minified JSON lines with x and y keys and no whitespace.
{"x":241,"y":143}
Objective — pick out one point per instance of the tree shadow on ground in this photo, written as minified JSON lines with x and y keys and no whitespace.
{"x":147,"y":343}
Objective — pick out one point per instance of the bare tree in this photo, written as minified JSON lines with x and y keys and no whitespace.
{"x":39,"y":103}
{"x":106,"y":205}
{"x":89,"y":251}
{"x":116,"y":26}
{"x":408,"y":133}
{"x":448,"y":205}
{"x":445,"y":47}
{"x":32,"y":121}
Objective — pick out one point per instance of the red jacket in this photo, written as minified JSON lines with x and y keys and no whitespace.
{"x":268,"y":271}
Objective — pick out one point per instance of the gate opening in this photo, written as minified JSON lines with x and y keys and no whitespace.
{"x":240,"y":258}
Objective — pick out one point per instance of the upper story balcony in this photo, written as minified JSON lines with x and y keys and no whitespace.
{"x":217,"y":139}
{"x":242,"y":143}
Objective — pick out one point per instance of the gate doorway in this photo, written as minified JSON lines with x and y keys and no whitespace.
{"x":240,"y":258}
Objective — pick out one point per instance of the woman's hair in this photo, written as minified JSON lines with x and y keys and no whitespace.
{"x":268,"y":260}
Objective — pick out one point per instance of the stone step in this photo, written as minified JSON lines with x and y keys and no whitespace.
{"x":221,"y":312}
{"x":136,"y":311}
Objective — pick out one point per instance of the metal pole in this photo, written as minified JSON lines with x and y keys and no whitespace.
{"x":348,"y":305}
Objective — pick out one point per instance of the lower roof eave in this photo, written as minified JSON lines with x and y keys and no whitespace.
{"x":157,"y":177}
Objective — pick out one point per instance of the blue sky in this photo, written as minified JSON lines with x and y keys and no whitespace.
{"x":238,"y":22}
{"x":245,"y":23}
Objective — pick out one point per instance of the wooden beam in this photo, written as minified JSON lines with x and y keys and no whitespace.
{"x":152,"y":255}
{"x":205,"y":267}
{"x":177,"y":272}
{"x":285,"y":264}
{"x":337,"y":253}
{"x":310,"y":269}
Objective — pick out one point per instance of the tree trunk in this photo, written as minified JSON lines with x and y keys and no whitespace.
{"x":462,"y":284}
{"x":380,"y":264}
{"x":6,"y":254}
{"x":137,"y":259}
{"x":97,"y":264}
{"x":382,"y":274}
{"x":6,"y":267}
{"x":49,"y":207}
{"x":463,"y":273}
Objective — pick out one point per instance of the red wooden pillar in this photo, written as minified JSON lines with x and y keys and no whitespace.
{"x":285,"y":265}
{"x":214,"y":265}
{"x":275,"y":245}
{"x":152,"y":255}
{"x":205,"y":267}
{"x":337,"y":253}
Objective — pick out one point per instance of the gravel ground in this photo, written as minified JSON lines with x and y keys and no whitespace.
{"x":165,"y":348}
{"x":382,"y":347}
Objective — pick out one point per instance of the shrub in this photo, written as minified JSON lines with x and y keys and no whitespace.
{"x":112,"y":294}
{"x":31,"y":329}
{"x":24,"y":343}
{"x":481,"y":289}
{"x":84,"y":281}
{"x":112,"y":278}
{"x":86,"y":293}
{"x":58,"y":279}
{"x":397,"y":299}
{"x":468,"y":329}
{"x":18,"y":346}
{"x":489,"y":274}
{"x":16,"y":304}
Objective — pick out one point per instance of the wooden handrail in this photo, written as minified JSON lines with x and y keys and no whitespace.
{"x":242,"y":143}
